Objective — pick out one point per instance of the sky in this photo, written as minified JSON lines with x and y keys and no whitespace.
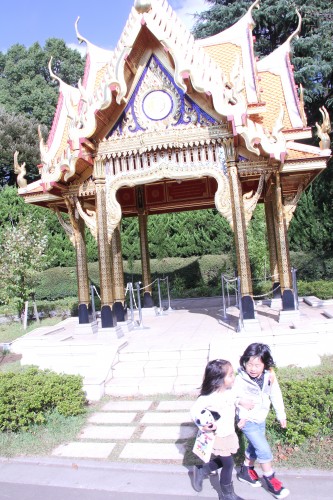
{"x":101,"y":21}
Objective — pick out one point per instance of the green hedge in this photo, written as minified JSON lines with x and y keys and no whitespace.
{"x":185,"y":275}
{"x":311,"y":266}
{"x":321,"y":289}
{"x":26,"y":398}
{"x":309,"y":408}
{"x":188,"y":277}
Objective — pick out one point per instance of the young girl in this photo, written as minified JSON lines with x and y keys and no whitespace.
{"x":216,"y":395}
{"x":256,"y":386}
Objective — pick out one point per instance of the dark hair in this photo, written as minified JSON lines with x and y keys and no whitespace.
{"x":214,"y":375}
{"x":258,"y":350}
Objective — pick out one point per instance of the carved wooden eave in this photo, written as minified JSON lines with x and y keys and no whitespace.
{"x":179,"y":137}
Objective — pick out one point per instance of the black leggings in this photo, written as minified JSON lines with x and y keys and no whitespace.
{"x":227,"y":464}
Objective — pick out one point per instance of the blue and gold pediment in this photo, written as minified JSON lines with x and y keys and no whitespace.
{"x":158,"y":103}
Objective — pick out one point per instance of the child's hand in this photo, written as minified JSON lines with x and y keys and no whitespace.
{"x":241,"y":423}
{"x":208,"y":428}
{"x":248,"y":404}
{"x":283,"y":423}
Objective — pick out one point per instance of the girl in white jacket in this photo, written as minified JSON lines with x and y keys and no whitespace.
{"x":217,"y":396}
{"x":256,"y":387}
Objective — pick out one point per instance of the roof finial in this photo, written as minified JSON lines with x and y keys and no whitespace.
{"x":142,"y":6}
{"x":298,"y":29}
{"x":324,"y":130}
{"x":255,"y":4}
{"x":54,"y":76}
{"x":78,"y":36}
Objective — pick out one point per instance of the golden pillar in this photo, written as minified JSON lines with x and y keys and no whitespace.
{"x":118,"y":275}
{"x":82,"y":272}
{"x":239,"y":226}
{"x":76,"y":232}
{"x":282,"y":246}
{"x":104,"y":251}
{"x":145,"y":261}
{"x":270,"y":227}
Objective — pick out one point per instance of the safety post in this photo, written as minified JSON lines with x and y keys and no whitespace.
{"x":168,"y":292}
{"x":93,"y":308}
{"x":239,"y":292}
{"x":130,"y":290}
{"x":139,"y":302}
{"x":159,"y":296}
{"x":295,"y":289}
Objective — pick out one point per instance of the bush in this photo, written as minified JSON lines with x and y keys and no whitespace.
{"x":309,"y":408}
{"x":28,"y":397}
{"x":189,"y":277}
{"x":311,"y":266}
{"x":67,"y":306}
{"x":321,"y":289}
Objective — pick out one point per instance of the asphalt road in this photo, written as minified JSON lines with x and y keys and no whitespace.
{"x":10,"y":491}
{"x":49,"y":479}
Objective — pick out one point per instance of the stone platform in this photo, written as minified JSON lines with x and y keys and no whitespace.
{"x":168,"y":351}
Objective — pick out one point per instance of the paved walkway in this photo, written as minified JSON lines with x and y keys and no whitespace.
{"x":139,"y":430}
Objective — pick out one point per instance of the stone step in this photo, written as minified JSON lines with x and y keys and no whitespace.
{"x":185,"y":384}
{"x":159,"y":368}
{"x":166,"y":354}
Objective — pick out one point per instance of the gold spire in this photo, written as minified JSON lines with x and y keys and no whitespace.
{"x":142,"y":6}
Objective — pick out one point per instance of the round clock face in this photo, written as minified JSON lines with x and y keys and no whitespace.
{"x":157,"y":105}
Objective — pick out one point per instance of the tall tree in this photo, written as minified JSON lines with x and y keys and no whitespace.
{"x":18,"y":133}
{"x":25,"y":83}
{"x":28,"y":97}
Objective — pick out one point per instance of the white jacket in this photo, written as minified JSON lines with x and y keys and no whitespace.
{"x":246,"y":388}
{"x":224,"y":404}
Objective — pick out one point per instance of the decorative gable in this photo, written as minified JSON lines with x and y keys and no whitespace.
{"x":158,"y":103}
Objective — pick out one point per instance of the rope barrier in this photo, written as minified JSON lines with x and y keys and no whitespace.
{"x":266,"y":294}
{"x":98,"y":295}
{"x":150,"y":284}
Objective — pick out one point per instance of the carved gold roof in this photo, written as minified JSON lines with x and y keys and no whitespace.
{"x":219,"y":74}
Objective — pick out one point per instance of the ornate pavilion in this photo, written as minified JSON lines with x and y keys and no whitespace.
{"x":166,"y":123}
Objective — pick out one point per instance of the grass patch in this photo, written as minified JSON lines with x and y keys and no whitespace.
{"x":295,"y":373}
{"x":11,"y":366}
{"x":314,"y":453}
{"x":14,"y":330}
{"x":41,"y":440}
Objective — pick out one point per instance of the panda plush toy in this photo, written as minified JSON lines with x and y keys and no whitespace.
{"x":204,"y":442}
{"x":207,"y":418}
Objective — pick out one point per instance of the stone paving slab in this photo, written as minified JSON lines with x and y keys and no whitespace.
{"x":174,"y":405}
{"x":127,"y":406}
{"x":166,"y":418}
{"x":169,"y":432}
{"x":104,"y":432}
{"x":112,"y":418}
{"x":84,"y":450}
{"x":161,"y":372}
{"x":160,"y":451}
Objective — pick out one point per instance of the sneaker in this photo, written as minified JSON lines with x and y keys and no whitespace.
{"x":198,"y":476}
{"x":248,"y":475}
{"x":275,"y":487}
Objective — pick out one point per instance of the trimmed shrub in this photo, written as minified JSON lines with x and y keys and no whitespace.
{"x":309,"y":408}
{"x":321,"y":289}
{"x":26,"y":398}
